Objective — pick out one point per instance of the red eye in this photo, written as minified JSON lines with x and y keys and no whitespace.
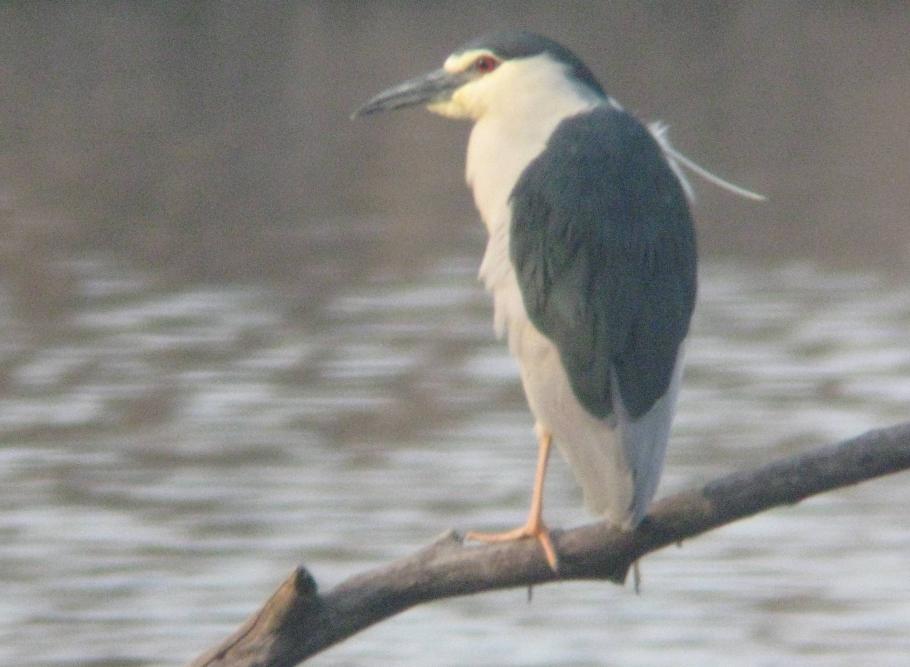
{"x":485,"y":64}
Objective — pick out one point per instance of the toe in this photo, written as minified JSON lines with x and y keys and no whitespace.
{"x":543,"y":536}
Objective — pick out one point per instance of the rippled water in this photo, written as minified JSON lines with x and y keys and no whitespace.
{"x":170,"y":453}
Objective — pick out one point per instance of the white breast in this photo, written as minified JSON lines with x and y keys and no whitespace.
{"x":492,"y":172}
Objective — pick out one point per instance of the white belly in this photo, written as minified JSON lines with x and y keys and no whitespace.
{"x":588,"y":444}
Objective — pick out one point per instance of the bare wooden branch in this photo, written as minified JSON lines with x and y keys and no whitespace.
{"x":298,"y":622}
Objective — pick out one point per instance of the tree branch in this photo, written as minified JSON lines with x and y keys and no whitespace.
{"x":298,"y":622}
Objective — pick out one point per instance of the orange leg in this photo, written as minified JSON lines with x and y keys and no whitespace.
{"x":534,"y":526}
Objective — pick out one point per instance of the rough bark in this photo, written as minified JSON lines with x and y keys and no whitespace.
{"x":298,"y":621}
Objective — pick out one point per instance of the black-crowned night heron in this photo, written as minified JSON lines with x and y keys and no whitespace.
{"x":590,"y":260}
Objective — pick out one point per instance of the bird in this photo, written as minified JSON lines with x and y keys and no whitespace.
{"x":590,"y":259}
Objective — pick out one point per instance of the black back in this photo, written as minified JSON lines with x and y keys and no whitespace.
{"x":604,"y":250}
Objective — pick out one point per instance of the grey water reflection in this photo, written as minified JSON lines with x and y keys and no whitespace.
{"x":171,"y":451}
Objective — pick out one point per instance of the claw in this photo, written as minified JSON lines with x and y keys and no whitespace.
{"x":538,"y":532}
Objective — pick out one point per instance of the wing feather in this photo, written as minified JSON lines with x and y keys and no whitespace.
{"x":604,"y":251}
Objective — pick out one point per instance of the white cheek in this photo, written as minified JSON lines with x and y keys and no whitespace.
{"x":472,"y":98}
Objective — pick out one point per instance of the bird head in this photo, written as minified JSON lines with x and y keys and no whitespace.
{"x":499,"y":73}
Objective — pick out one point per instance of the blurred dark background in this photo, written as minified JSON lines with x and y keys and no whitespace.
{"x":203,"y":139}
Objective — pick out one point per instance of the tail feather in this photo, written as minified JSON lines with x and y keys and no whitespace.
{"x":598,"y":466}
{"x":644,"y":442}
{"x":618,"y":462}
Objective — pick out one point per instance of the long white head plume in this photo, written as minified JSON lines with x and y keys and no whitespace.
{"x":677,"y":161}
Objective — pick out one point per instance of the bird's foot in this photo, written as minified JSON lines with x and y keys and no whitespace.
{"x":536,"y":530}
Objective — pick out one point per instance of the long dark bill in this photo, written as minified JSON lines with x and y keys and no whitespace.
{"x":437,"y":86}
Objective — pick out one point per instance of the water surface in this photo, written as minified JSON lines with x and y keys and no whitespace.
{"x":171,"y":451}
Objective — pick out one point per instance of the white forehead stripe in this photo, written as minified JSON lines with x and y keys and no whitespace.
{"x":459,"y":62}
